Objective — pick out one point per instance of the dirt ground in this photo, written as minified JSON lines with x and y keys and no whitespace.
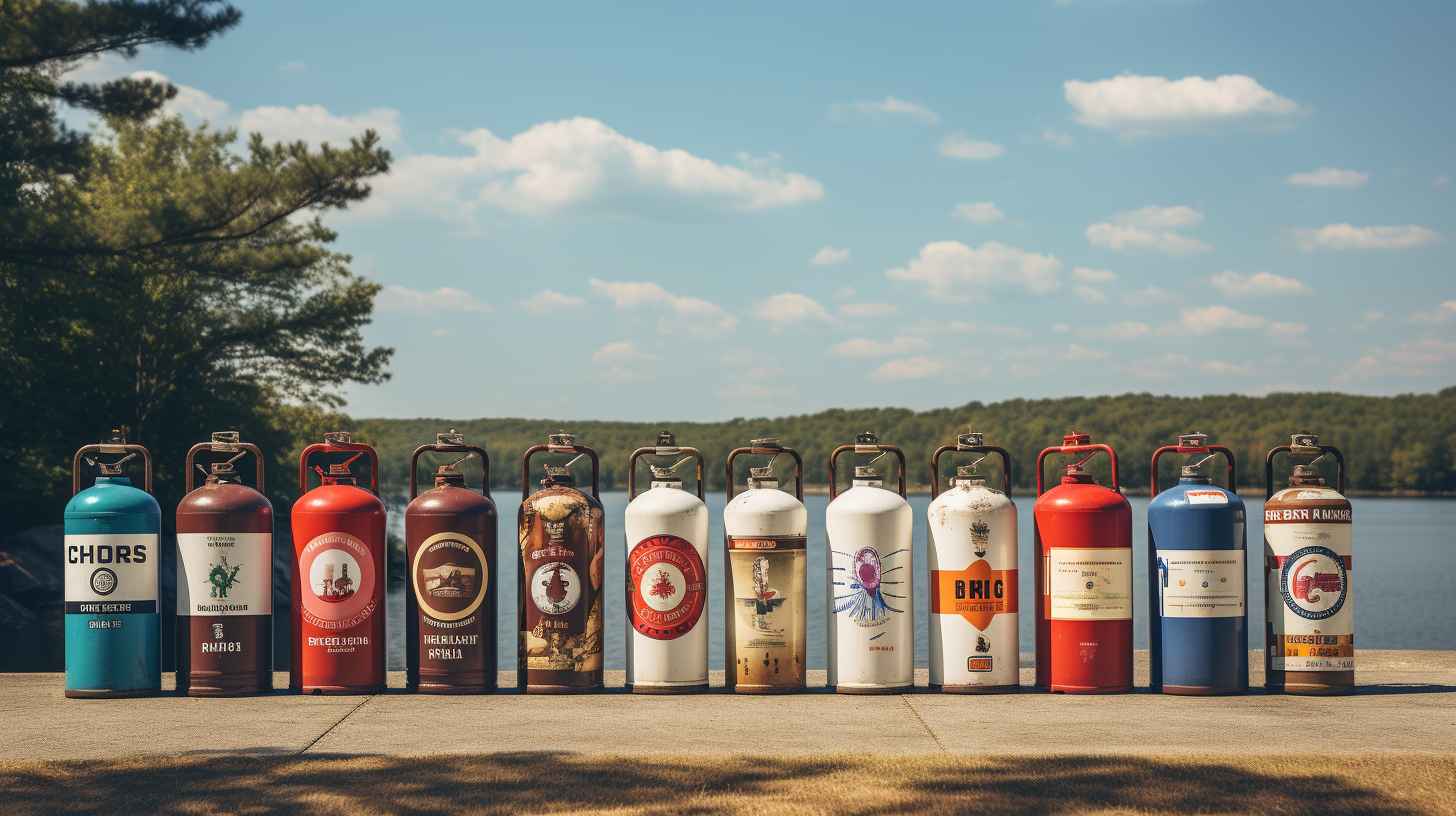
{"x":842,"y":784}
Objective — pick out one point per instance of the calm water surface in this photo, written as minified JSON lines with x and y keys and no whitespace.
{"x":1404,"y":560}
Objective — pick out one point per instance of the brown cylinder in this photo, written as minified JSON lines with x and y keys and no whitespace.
{"x":224,"y":591}
{"x":1310,"y":620}
{"x":561,"y":636}
{"x":450,"y":607}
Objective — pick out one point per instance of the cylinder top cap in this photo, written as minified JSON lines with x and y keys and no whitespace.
{"x":561,"y":438}
{"x":1076,"y":474}
{"x":970,"y":439}
{"x":1192,"y":439}
{"x":666,"y":439}
{"x":1305,"y":476}
{"x":1304,"y":442}
{"x":764,"y":475}
{"x":771,"y":442}
{"x":866,"y":472}
{"x":1192,"y":472}
{"x":1075,"y":438}
{"x":662,"y":473}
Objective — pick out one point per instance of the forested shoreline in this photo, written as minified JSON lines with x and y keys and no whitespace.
{"x":1404,"y":444}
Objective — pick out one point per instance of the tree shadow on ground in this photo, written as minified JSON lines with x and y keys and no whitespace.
{"x":556,"y":782}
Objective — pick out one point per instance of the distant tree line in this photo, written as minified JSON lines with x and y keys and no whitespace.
{"x":1399,"y":443}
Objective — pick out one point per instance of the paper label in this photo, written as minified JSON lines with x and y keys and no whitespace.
{"x":1206,"y":497}
{"x":1311,"y":610}
{"x":1201,"y":583}
{"x":1090,"y":583}
{"x":224,"y":573}
{"x":111,"y":574}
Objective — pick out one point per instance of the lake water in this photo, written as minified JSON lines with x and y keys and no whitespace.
{"x":1405,"y":560}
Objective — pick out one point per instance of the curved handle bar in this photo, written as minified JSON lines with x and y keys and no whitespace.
{"x":1065,"y":449}
{"x":863,"y":448}
{"x":1228,"y":455}
{"x":442,"y":447}
{"x":208,"y":446}
{"x":757,"y":451}
{"x":573,"y":448}
{"x":663,"y":451}
{"x":104,"y":447}
{"x":1269,"y":468}
{"x":338,"y":447}
{"x":987,"y":449}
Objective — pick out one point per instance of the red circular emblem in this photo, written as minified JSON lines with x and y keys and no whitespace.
{"x":339,"y":582}
{"x":667,"y":585}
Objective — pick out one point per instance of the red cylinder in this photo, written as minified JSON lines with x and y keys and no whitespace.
{"x":1083,"y":562}
{"x":338,"y":575}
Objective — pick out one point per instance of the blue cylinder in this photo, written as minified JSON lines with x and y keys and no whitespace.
{"x":1198,"y":596}
{"x":113,"y":625}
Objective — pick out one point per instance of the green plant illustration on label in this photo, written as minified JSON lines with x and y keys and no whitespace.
{"x":223,"y":578}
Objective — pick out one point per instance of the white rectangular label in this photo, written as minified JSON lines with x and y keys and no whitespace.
{"x":1206,"y":497}
{"x":1201,"y":583}
{"x":224,"y":573}
{"x":1093,"y":583}
{"x":111,"y":568}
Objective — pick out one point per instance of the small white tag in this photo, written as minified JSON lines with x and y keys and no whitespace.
{"x":1206,"y":497}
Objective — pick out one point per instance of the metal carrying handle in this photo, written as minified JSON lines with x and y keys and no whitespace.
{"x":1193,"y":443}
{"x":666,"y":446}
{"x":118,"y":444}
{"x":767,"y":447}
{"x":226,"y":442}
{"x":559,"y":443}
{"x":865,"y":443}
{"x":1303,"y":444}
{"x":338,"y":442}
{"x":451,"y":442}
{"x":969,"y":443}
{"x":1076,"y":443}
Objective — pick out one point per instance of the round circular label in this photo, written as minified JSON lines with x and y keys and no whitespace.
{"x":1314,"y":582}
{"x":339,"y":581}
{"x":450,"y":575}
{"x":867,"y":568}
{"x":555,"y":588}
{"x":667,"y":585}
{"x":103,"y":581}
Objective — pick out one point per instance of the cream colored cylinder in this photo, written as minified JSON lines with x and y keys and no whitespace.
{"x":765,"y":599}
{"x":667,"y":589}
{"x":974,"y":640}
{"x":871,"y":607}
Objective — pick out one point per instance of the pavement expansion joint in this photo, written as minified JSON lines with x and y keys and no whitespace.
{"x":316,"y":740}
{"x":905,"y":698}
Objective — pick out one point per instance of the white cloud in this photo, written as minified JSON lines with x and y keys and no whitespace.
{"x":1086,"y":274}
{"x":620,"y":352}
{"x":1287,"y":331}
{"x":979,"y":212}
{"x":969,"y":327}
{"x":316,"y":124}
{"x":1209,"y":319}
{"x":550,"y":300}
{"x":790,"y":307}
{"x":568,"y":163}
{"x":1089,"y":294}
{"x":695,"y":314}
{"x":830,"y":256}
{"x":394,"y":298}
{"x":867,"y":309}
{"x":1149,"y":228}
{"x":1223,"y":368}
{"x":909,"y":368}
{"x":1234,"y":284}
{"x":1347,"y":236}
{"x":1132,"y":104}
{"x":961,"y":146}
{"x":887,"y":107}
{"x":1149,"y":296}
{"x":1123,"y":330}
{"x":1057,"y":138}
{"x":954,"y":271}
{"x":862,"y":348}
{"x":1081,"y":354}
{"x":1329,"y":177}
{"x":1444,"y":311}
{"x":192,"y":104}
{"x":1428,"y":357}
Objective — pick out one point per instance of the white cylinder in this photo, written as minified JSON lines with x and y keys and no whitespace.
{"x":974,"y":640}
{"x":765,"y":598}
{"x":871,"y":606}
{"x":667,"y":589}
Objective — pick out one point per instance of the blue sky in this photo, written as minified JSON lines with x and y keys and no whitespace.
{"x":663,"y":213}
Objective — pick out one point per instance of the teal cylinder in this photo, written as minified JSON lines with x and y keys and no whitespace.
{"x":113,"y":625}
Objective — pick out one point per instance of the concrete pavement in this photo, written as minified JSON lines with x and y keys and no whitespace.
{"x":1406,"y":703}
